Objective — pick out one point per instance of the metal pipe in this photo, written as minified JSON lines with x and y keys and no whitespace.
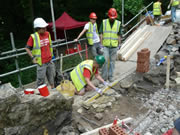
{"x":14,"y":55}
{"x":137,"y":14}
{"x":133,"y":27}
{"x":32,"y":66}
{"x":122,"y":12}
{"x":54,"y":25}
{"x":16,"y":61}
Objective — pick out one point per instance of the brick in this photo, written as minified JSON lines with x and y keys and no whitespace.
{"x":116,"y":130}
{"x":103,"y":131}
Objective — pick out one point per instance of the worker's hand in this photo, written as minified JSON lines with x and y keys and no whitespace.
{"x":99,"y":91}
{"x":34,"y":60}
{"x":119,"y":46}
{"x":169,"y":6}
{"x":106,"y":83}
{"x":76,"y":39}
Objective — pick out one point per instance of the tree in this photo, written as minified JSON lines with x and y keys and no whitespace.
{"x":131,"y":8}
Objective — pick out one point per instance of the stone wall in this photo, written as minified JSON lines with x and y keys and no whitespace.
{"x":32,"y":114}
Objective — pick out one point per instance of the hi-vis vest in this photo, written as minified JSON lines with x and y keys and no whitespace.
{"x":157,"y":8}
{"x":36,"y":51}
{"x":110,"y":35}
{"x":77,"y":74}
{"x":175,"y":3}
{"x":89,"y":33}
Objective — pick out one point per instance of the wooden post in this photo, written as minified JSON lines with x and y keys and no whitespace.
{"x":167,"y":72}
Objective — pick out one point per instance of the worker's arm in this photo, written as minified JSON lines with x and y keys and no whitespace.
{"x":101,"y":33}
{"x":99,"y":78}
{"x":82,"y":32}
{"x":30,"y":54}
{"x":90,"y":83}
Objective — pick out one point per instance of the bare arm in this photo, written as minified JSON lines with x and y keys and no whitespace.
{"x":82,"y":32}
{"x":101,"y":38}
{"x":119,"y":39}
{"x":99,"y":78}
{"x":90,"y":83}
{"x":29,"y":52}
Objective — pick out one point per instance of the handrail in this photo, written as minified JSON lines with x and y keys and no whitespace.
{"x":23,"y":53}
{"x":138,"y":14}
{"x":125,"y":34}
{"x":22,"y":49}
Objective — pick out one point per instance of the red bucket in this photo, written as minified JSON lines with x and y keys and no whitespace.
{"x":43,"y":89}
{"x":29,"y":91}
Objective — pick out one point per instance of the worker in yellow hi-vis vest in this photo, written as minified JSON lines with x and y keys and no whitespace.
{"x":157,"y":11}
{"x":42,"y":52}
{"x":82,"y":74}
{"x":92,"y":35}
{"x":110,"y":38}
{"x":174,"y":5}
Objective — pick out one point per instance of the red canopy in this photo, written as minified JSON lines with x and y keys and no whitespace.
{"x":66,"y":22}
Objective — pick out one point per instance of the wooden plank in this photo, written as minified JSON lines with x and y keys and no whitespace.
{"x":136,"y":45}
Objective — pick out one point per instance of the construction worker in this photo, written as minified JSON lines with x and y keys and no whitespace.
{"x":110,"y":39}
{"x":157,"y":11}
{"x":42,"y":52}
{"x":82,"y":74}
{"x":92,"y":35}
{"x":174,"y":5}
{"x":175,"y":130}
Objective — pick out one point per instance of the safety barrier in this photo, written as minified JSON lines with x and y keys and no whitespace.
{"x":15,"y":53}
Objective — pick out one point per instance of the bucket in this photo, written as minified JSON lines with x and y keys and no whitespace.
{"x":29,"y":91}
{"x":43,"y":89}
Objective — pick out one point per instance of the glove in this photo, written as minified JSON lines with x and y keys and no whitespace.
{"x":119,"y":46}
{"x":106,"y":83}
{"x":169,"y":6}
{"x":99,"y":91}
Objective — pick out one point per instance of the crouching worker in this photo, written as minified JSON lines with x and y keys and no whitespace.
{"x":82,"y":74}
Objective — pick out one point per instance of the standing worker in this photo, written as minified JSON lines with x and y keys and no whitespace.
{"x":42,"y":52}
{"x":174,"y":5}
{"x":92,"y":35}
{"x":82,"y":74}
{"x":110,"y":39}
{"x":157,"y":11}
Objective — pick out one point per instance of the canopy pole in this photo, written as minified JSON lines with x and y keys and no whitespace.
{"x":66,"y":41}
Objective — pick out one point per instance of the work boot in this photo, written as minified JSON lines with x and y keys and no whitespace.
{"x":111,"y":80}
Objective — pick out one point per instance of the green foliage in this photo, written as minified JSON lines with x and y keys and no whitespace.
{"x":131,"y":8}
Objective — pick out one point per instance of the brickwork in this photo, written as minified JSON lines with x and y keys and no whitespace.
{"x":116,"y":130}
{"x":103,"y":131}
{"x":143,"y":60}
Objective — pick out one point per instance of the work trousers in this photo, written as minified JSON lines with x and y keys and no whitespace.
{"x":173,"y":13}
{"x":109,"y":65}
{"x":94,"y":48}
{"x":46,"y":70}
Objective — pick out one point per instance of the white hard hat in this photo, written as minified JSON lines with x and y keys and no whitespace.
{"x":40,"y":23}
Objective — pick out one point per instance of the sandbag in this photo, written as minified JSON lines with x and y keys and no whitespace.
{"x":66,"y":88}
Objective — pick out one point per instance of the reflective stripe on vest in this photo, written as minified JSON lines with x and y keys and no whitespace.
{"x":175,"y":2}
{"x":77,"y":74}
{"x":110,"y":35}
{"x":89,"y":33}
{"x":157,"y":8}
{"x":36,"y":51}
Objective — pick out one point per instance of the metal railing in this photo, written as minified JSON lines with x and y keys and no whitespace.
{"x":18,"y":52}
{"x":137,"y":15}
